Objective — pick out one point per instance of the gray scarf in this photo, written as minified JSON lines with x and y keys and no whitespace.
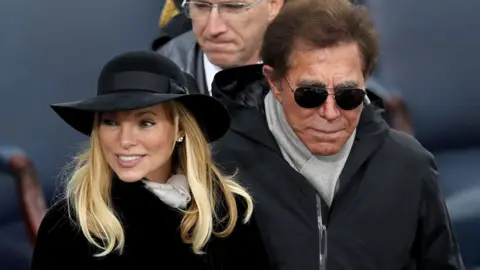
{"x":321,"y":171}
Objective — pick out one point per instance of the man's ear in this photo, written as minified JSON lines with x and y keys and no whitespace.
{"x":267,"y":72}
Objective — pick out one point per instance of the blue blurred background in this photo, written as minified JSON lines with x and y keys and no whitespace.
{"x":52,"y":51}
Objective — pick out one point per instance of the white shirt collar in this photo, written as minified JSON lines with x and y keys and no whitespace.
{"x":210,"y":71}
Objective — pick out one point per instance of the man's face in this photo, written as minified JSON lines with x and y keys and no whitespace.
{"x":232,"y":35}
{"x":325,"y":129}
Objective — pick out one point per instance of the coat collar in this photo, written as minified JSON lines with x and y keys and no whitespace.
{"x":243,"y":90}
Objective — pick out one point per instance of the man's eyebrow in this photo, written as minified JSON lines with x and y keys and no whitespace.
{"x":347,"y":84}
{"x":310,"y":82}
{"x":318,"y":83}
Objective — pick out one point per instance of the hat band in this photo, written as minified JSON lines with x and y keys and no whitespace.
{"x":137,"y":80}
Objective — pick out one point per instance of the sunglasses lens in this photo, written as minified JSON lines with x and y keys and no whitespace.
{"x":310,"y":97}
{"x":349,"y":99}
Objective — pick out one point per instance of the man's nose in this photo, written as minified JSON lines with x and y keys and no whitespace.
{"x":216,"y":24}
{"x":127,"y":136}
{"x":329,"y":109}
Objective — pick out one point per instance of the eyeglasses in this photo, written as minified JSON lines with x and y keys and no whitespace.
{"x":230,"y":10}
{"x":313,"y":96}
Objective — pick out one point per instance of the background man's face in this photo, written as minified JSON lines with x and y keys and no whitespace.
{"x":233,"y":37}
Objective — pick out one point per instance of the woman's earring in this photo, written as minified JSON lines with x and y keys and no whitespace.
{"x":180,"y":139}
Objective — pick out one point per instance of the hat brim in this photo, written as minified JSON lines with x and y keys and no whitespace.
{"x":211,"y":115}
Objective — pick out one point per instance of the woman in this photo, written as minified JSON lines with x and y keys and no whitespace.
{"x":146,"y":193}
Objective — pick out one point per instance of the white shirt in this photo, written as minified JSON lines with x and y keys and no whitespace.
{"x":210,"y":71}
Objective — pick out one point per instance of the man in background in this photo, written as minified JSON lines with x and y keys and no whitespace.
{"x":225,"y":34}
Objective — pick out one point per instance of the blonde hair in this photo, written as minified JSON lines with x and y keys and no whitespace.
{"x":90,"y":204}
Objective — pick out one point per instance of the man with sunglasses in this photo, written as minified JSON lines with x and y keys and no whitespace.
{"x":226,"y":34}
{"x":335,"y":187}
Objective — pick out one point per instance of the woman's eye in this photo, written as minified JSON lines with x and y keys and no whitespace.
{"x":148,"y":123}
{"x":107,"y":122}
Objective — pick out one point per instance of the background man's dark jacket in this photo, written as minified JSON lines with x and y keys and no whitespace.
{"x":184,"y":51}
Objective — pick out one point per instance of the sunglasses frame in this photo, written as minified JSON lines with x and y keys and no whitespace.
{"x":323,"y":94}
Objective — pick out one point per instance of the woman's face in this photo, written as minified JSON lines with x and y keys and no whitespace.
{"x":139,"y":143}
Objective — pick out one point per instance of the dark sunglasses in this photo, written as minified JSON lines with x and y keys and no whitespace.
{"x":312,"y":97}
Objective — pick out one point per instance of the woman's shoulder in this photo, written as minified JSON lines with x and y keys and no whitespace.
{"x":57,"y":221}
{"x":57,"y":239}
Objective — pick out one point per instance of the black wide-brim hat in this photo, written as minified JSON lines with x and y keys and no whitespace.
{"x":141,"y":79}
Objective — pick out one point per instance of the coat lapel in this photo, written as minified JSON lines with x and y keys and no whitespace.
{"x":200,"y":71}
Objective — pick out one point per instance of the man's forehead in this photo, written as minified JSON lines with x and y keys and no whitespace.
{"x":304,"y":53}
{"x":319,"y":69}
{"x":326,"y":77}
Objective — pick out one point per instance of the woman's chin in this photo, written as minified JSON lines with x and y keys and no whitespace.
{"x":130,"y":176}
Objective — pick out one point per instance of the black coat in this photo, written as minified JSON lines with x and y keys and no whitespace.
{"x":388,"y":213}
{"x":152,"y":239}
